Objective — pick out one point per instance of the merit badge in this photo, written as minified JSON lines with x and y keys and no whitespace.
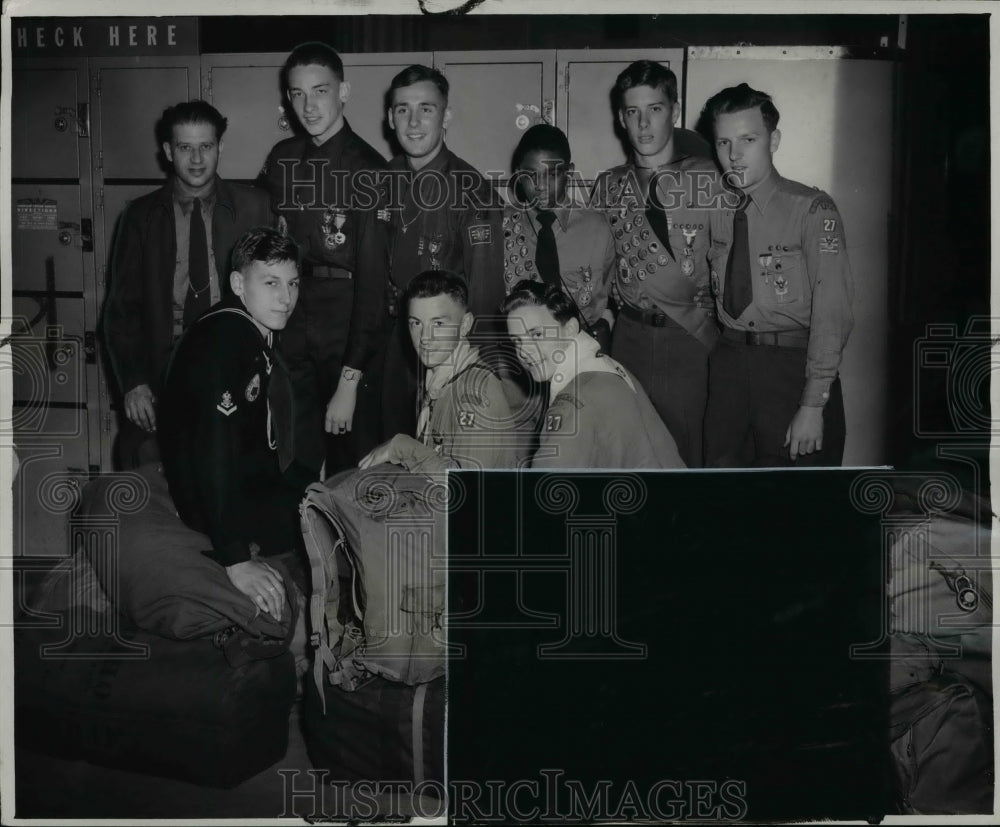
{"x":641,"y":274}
{"x":643,"y":253}
{"x":662,"y":259}
{"x":654,"y":247}
{"x":529,"y":264}
{"x":519,"y":269}
{"x":226,"y":406}
{"x":434,"y":247}
{"x":253,"y":389}
{"x":639,"y":220}
{"x":650,"y":268}
{"x":333,"y":223}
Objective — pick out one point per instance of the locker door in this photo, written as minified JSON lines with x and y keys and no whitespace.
{"x":259,"y":120}
{"x":495,"y":97}
{"x":814,"y":87}
{"x":54,"y":378}
{"x":584,"y":101}
{"x":130,"y":95}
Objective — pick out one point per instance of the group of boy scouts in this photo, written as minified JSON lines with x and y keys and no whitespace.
{"x":724,"y":288}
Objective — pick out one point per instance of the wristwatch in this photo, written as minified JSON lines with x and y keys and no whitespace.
{"x":350,"y":374}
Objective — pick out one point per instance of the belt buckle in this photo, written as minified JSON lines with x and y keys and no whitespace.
{"x":752,"y":338}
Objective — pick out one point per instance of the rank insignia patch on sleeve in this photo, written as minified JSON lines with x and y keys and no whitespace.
{"x":226,"y":406}
{"x":829,"y":244}
{"x":480,"y":234}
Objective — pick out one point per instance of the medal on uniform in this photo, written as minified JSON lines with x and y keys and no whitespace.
{"x":623,"y":272}
{"x":587,"y":274}
{"x":434,"y":247}
{"x":687,"y":265}
{"x":780,"y":285}
{"x":583,"y":299}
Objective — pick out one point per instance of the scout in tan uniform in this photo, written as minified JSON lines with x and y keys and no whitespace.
{"x":659,"y":206}
{"x":464,"y":420}
{"x":550,"y":236}
{"x":783,"y":287}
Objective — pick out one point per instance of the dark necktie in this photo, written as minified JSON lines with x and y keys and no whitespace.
{"x":546,"y":254}
{"x":739,"y":288}
{"x":198,"y":296}
{"x":656,"y":218}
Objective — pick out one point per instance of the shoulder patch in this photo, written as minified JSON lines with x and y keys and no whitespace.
{"x":553,"y":422}
{"x":823,"y":202}
{"x":467,"y":419}
{"x":480,"y":234}
{"x":568,"y":398}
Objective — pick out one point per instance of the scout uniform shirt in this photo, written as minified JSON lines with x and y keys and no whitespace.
{"x":800,"y":273}
{"x":586,"y":254}
{"x":444,"y":217}
{"x":465,"y":420}
{"x":219,"y":442}
{"x":653,"y":273}
{"x":326,"y":196}
{"x":601,"y":418}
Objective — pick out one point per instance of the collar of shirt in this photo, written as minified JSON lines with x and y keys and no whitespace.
{"x":439,"y":162}
{"x":332,"y":147}
{"x":761,"y":194}
{"x":562,"y":217}
{"x":186,"y":201}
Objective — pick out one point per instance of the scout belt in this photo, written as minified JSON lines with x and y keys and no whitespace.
{"x":775,"y":338}
{"x":323,"y":271}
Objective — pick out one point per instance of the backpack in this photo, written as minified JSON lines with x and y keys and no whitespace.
{"x":376,"y":545}
{"x":941,"y":741}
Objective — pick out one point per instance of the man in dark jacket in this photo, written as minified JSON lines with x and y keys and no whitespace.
{"x":220,"y":432}
{"x":322,"y":187}
{"x":170,"y":263}
{"x":441,"y":214}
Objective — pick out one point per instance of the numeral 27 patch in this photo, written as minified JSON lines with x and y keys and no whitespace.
{"x":829,"y":225}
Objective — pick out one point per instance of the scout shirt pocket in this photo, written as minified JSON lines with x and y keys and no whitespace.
{"x":782,"y":271}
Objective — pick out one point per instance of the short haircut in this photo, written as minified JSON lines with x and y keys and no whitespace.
{"x":542,"y":137}
{"x":193,"y":111}
{"x":416,"y":74}
{"x":432,"y":283}
{"x":644,"y":73}
{"x":312,"y":54}
{"x":529,"y":293}
{"x":738,"y":99}
{"x":263,"y":244}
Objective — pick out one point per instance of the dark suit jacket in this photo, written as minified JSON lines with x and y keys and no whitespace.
{"x":138,"y":313}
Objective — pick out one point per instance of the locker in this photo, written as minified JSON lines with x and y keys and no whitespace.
{"x":258,"y":121}
{"x":48,"y":357}
{"x":584,"y":110}
{"x":45,"y":131}
{"x":131,"y":97}
{"x":495,"y":97}
{"x":814,"y":89}
{"x":49,"y":237}
{"x":51,"y":472}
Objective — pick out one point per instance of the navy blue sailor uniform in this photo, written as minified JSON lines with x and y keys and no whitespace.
{"x":784,"y":349}
{"x":666,"y":324}
{"x":445,"y":216}
{"x":326,"y":196}
{"x":223,"y":439}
